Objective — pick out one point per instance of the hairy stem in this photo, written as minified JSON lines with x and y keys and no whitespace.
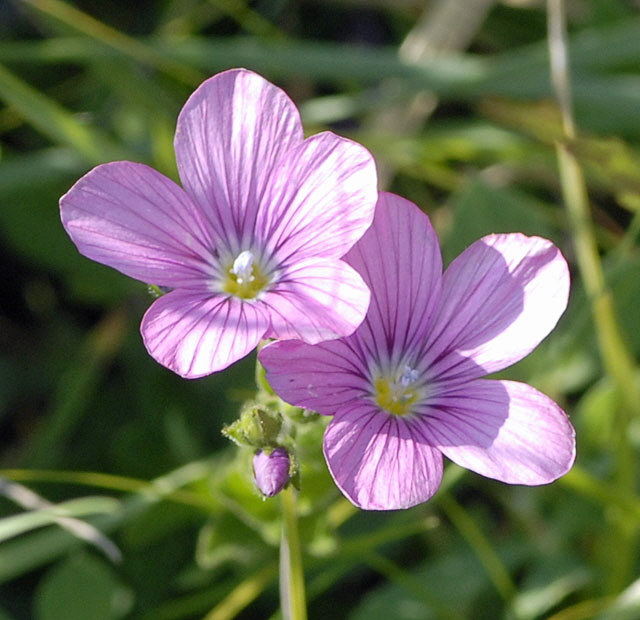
{"x":292,"y":590}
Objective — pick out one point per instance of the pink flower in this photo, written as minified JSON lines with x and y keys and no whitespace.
{"x":251,"y":246}
{"x":406,"y":387}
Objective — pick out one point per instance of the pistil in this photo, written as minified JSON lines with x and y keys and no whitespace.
{"x":244,"y":278}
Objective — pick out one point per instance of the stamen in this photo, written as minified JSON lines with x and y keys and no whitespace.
{"x":408,"y":376}
{"x":397,"y":395}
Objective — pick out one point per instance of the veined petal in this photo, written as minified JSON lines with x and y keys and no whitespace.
{"x":136,"y":220}
{"x":399,"y":258}
{"x":504,"y":430}
{"x":231,"y":133}
{"x":323,"y":377}
{"x":195,"y":334}
{"x":500,"y":298}
{"x":317,"y":300}
{"x":380,"y":461}
{"x":320,"y":199}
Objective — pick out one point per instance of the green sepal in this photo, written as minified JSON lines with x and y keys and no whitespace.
{"x":157,"y":291}
{"x":257,"y":427}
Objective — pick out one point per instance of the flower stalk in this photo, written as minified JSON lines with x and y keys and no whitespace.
{"x":617,"y":361}
{"x":292,"y":588}
{"x":615,"y":355}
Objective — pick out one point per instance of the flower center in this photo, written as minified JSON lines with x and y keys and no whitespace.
{"x":397,"y":395}
{"x":245,"y":278}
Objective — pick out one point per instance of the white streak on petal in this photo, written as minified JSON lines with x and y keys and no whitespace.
{"x":379,"y":461}
{"x":231,"y":134}
{"x":399,"y":258}
{"x":195,"y":335}
{"x":325,"y":377}
{"x":504,"y":430}
{"x":321,"y":199}
{"x":500,"y":298}
{"x":136,"y":220}
{"x":317,"y":300}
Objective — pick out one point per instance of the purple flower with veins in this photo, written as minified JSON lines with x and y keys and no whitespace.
{"x":406,"y":387}
{"x":251,"y":244}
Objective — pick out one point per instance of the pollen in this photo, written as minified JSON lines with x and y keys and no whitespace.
{"x":244,"y":278}
{"x":397,"y":394}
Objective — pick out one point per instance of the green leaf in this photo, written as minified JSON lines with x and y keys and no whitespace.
{"x":20,"y":523}
{"x":626,"y":606}
{"x":5,"y":616}
{"x":441,"y":588}
{"x":625,"y":284}
{"x":31,"y":551}
{"x":80,"y":588}
{"x":595,"y":417}
{"x":551,"y":581}
{"x":30,"y":187}
{"x":480,"y":209}
{"x":52,"y":120}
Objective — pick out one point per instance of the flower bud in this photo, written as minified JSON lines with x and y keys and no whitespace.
{"x":257,"y":427}
{"x":271,"y":470}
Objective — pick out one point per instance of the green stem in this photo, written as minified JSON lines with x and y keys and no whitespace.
{"x":292,"y":591}
{"x":616,"y":359}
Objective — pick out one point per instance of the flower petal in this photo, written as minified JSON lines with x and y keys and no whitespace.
{"x":317,"y":300}
{"x":195,"y":334}
{"x":324,"y":377}
{"x":136,"y":220}
{"x":399,"y":258}
{"x":380,"y":461}
{"x":500,"y":298}
{"x":503,"y":430}
{"x":320,"y":199}
{"x":231,"y":133}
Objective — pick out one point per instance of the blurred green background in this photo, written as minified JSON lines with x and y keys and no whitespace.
{"x":119,"y":496}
